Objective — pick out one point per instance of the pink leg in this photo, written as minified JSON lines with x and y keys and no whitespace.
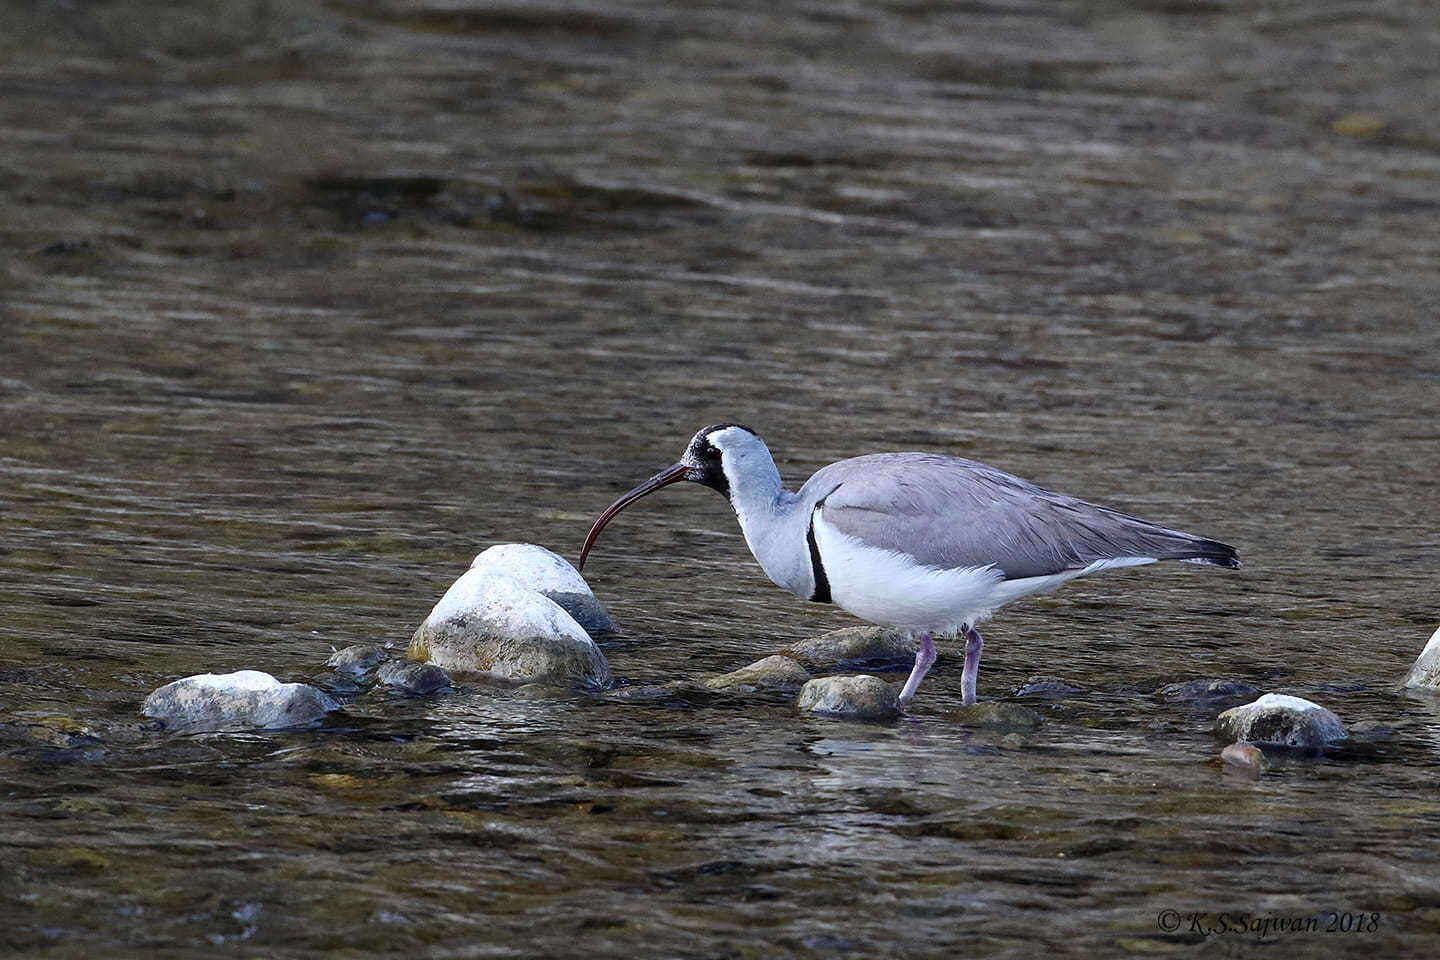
{"x":924,"y":659}
{"x":973,"y":646}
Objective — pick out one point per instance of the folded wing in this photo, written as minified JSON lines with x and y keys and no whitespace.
{"x":947,"y":512}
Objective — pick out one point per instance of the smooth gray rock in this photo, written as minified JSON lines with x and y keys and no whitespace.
{"x":359,"y":659}
{"x":853,"y":646}
{"x":860,"y":697}
{"x":407,"y":676}
{"x":492,"y":624}
{"x":771,"y":673}
{"x":1281,"y":720}
{"x":550,"y":575}
{"x":244,"y":700}
{"x":1425,"y":673}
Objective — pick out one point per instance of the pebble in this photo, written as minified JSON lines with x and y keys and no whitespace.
{"x":772,"y":673}
{"x":860,"y":697}
{"x":492,"y":624}
{"x":246,"y":699}
{"x":1281,"y":720}
{"x":550,"y":575}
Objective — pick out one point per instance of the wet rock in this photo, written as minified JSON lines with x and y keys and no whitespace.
{"x":862,"y":697}
{"x":853,"y":647}
{"x":996,"y":716}
{"x":246,"y":699}
{"x":1207,"y":690}
{"x":1051,"y":688}
{"x":550,"y":575}
{"x":771,"y":673}
{"x":52,"y":729}
{"x":407,"y":676}
{"x":1425,"y":673}
{"x":1244,"y":756}
{"x":1282,"y":720}
{"x":494,"y":625}
{"x":358,"y":660}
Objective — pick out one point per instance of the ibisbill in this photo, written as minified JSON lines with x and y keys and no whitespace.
{"x":927,"y":543}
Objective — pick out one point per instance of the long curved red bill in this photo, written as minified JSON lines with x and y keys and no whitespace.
{"x":672,"y":474}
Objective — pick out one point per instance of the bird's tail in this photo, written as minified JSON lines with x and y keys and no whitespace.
{"x":1200,"y":550}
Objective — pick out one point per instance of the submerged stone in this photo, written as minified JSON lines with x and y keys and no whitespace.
{"x":246,"y":699}
{"x":1245,"y":756}
{"x":1281,"y":720}
{"x":1203,"y":690}
{"x":494,"y":625}
{"x":771,"y":673}
{"x":550,"y":575}
{"x":853,"y":646}
{"x":996,"y":716}
{"x":1371,"y":731}
{"x":407,"y":676}
{"x":861,"y":697}
{"x":1051,"y":688}
{"x":672,"y":691}
{"x":1425,"y":672}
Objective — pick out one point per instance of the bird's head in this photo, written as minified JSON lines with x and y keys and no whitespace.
{"x":715,"y":455}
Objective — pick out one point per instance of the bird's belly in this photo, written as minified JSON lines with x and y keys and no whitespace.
{"x":890,"y":588}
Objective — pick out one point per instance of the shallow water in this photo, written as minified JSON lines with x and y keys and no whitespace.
{"x":303,"y":305}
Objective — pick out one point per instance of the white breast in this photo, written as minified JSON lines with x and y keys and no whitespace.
{"x":890,"y":588}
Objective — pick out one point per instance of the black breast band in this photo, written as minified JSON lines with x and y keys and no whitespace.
{"x":822,"y":582}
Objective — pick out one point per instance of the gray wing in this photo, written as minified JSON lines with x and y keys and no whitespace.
{"x":949,"y":512}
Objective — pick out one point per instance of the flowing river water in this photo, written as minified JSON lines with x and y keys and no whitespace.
{"x":304,"y":304}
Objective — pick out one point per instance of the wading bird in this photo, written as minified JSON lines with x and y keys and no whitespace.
{"x":927,"y":543}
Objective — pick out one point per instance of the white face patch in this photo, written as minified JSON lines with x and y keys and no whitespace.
{"x":731,"y":442}
{"x":720,"y":439}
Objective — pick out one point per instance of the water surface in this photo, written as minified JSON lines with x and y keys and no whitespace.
{"x":305,"y":304}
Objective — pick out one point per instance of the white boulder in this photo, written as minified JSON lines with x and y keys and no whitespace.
{"x":488,"y":622}
{"x":1425,"y":674}
{"x":244,"y":700}
{"x":1282,"y":720}
{"x":550,"y":575}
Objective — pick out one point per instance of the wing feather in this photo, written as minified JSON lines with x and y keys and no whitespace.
{"x":949,"y":512}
